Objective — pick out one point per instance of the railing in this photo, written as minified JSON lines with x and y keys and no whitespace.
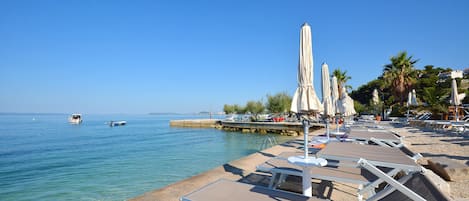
{"x":268,"y":142}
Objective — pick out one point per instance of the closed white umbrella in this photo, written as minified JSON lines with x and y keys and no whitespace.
{"x":375,"y":98}
{"x":336,"y":102}
{"x":414,"y":98}
{"x":305,"y":99}
{"x":409,"y":99}
{"x":409,"y":103}
{"x":335,"y":94}
{"x":306,"y":102}
{"x":347,"y":105}
{"x":454,"y":100}
{"x":329,"y":110}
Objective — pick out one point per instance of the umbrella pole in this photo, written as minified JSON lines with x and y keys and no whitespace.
{"x":457,"y":119}
{"x":408,"y":111}
{"x":327,"y":129}
{"x":337,"y":123}
{"x":306,"y":130}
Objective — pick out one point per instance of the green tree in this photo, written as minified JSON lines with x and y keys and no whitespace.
{"x":255,"y":108}
{"x":364,"y":93}
{"x":228,"y":109}
{"x":400,"y":75}
{"x":359,"y":108}
{"x":279,"y":103}
{"x":435,"y":99}
{"x":239,"y":109}
{"x":342,"y":78}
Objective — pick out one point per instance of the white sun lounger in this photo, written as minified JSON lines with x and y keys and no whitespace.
{"x":381,"y":137}
{"x":369,"y":157}
{"x":225,"y":190}
{"x":338,"y":171}
{"x":280,"y":168}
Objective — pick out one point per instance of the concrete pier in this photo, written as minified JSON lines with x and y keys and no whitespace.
{"x":271,"y":126}
{"x":283,"y":128}
{"x":195,"y":123}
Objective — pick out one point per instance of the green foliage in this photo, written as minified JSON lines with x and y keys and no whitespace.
{"x":364,"y":93}
{"x":466,"y":99}
{"x":359,"y":108}
{"x":229,"y":109}
{"x":435,"y":99}
{"x":279,"y":103}
{"x":432,"y":92}
{"x":239,"y":109}
{"x":255,"y":107}
{"x":234,"y":109}
{"x":400,"y":75}
{"x":342,"y":78}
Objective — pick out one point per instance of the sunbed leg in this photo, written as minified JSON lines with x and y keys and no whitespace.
{"x":412,"y":195}
{"x":272,"y":180}
{"x":374,"y":184}
{"x":282,"y":178}
{"x":359,"y":195}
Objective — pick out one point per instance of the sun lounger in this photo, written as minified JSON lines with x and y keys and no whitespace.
{"x":383,"y":137}
{"x":372,"y":157}
{"x":225,"y":190}
{"x":337,"y":171}
{"x":377,"y":155}
{"x":280,"y":168}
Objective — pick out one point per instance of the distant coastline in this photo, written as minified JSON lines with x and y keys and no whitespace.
{"x":173,"y":113}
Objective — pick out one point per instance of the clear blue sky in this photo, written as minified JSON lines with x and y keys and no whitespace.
{"x":190,"y":56}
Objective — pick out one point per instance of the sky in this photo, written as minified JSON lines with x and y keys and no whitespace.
{"x":137,"y":57}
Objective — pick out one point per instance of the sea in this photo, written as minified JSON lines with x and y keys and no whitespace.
{"x":43,"y":157}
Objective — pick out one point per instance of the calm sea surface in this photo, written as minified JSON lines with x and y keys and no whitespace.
{"x":42,"y":157}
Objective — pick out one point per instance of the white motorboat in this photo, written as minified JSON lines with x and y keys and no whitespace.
{"x":75,"y":119}
{"x":117,"y":123}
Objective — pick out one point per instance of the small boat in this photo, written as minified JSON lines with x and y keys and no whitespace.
{"x":75,"y":119}
{"x":117,"y":123}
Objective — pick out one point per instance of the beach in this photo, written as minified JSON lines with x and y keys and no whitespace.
{"x":448,"y":145}
{"x":429,"y":143}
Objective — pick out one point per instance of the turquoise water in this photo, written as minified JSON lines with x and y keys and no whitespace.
{"x":46,"y":158}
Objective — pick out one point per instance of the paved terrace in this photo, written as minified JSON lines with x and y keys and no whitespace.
{"x":430,"y":143}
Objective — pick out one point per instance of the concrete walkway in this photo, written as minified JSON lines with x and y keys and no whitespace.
{"x":428,"y":143}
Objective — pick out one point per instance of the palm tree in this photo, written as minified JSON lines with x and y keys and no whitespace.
{"x":400,"y":75}
{"x":342,"y":78}
{"x":436,"y":100}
